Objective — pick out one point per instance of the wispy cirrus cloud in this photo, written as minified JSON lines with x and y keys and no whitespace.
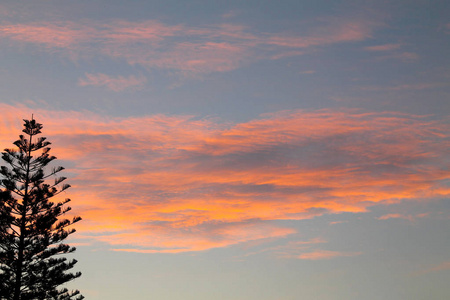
{"x":447,"y":26}
{"x":385,"y":47}
{"x":406,"y":87}
{"x":175,"y":183}
{"x":115,"y":84}
{"x":306,"y":250}
{"x":164,"y":239}
{"x":405,"y":56}
{"x":324,"y":254}
{"x":185,"y":49}
{"x":393,"y":51}
{"x":51,"y":36}
{"x":408,"y":217}
{"x":443,"y":266}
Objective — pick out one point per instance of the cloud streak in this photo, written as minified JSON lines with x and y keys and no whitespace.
{"x":116,"y":84}
{"x":175,"y":183}
{"x":385,"y":47}
{"x":187,"y":50}
{"x":443,"y":266}
{"x":324,"y":254}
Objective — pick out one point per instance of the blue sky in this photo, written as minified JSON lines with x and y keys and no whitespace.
{"x":269,"y":150}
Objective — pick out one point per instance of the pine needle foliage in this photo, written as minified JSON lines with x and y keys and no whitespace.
{"x":32,"y":262}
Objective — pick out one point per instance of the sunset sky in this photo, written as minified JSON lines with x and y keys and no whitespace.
{"x":242,"y":150}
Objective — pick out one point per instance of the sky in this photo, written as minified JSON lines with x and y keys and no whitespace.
{"x":242,"y":150}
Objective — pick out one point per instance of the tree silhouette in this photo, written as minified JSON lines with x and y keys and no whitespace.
{"x":31,"y":265}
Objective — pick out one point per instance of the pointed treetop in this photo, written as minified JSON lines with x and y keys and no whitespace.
{"x":32,"y":127}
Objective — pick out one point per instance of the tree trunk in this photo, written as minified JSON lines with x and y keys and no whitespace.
{"x":21,"y":249}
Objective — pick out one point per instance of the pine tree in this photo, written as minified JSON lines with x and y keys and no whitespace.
{"x":32,"y":262}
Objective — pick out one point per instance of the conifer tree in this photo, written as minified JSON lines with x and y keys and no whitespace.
{"x":32,"y":262}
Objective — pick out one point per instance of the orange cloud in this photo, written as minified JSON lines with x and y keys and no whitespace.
{"x":176,"y":183}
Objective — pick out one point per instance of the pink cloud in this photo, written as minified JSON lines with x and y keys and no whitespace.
{"x":230,"y":14}
{"x":289,"y":250}
{"x":403,"y":216}
{"x":441,"y":267}
{"x":116,"y":84}
{"x":418,"y":86}
{"x":196,"y":58}
{"x":308,"y":72}
{"x":444,"y":266}
{"x":385,"y":47}
{"x":176,"y":183}
{"x":53,"y":36}
{"x":396,"y":216}
{"x":189,"y":50}
{"x":406,"y":87}
{"x":121,"y":32}
{"x":407,"y":57}
{"x":324,"y":254}
{"x":287,"y":54}
{"x":166,"y":240}
{"x":338,"y":222}
{"x":334,"y":31}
